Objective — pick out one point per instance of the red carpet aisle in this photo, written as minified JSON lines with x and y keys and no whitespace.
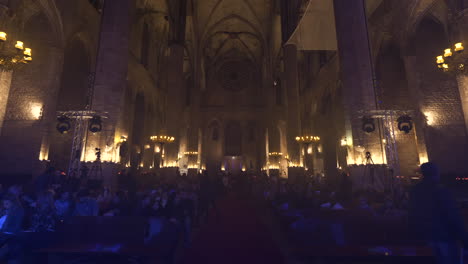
{"x":236,"y":236}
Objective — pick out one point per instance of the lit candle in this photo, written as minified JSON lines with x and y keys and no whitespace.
{"x":459,"y":47}
{"x":27,"y":52}
{"x":440,"y":59}
{"x":19,"y":45}
{"x":3,"y":36}
{"x":447,"y":53}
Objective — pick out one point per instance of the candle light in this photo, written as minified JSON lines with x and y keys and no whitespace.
{"x":3,"y":36}
{"x":27,"y":52}
{"x":19,"y":45}
{"x":459,"y":47}
{"x":448,"y":53}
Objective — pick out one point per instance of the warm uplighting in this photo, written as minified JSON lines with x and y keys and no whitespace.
{"x":430,"y":118}
{"x":3,"y":36}
{"x":147,"y":146}
{"x":440,"y":60}
{"x":344,"y":142}
{"x":448,"y":53}
{"x":191,"y":153}
{"x":36,"y":111}
{"x":459,"y":47}
{"x":157,"y":149}
{"x":423,"y":159}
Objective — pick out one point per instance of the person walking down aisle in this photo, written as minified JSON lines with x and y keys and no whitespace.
{"x":434,"y":216}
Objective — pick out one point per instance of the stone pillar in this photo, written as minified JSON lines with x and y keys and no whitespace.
{"x":462,"y":80}
{"x":175,"y":85}
{"x":413,"y":78}
{"x":5,"y":84}
{"x":291,"y":81}
{"x":356,"y":73}
{"x":111,"y":77}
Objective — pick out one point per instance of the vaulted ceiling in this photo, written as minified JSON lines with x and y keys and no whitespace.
{"x":223,"y":29}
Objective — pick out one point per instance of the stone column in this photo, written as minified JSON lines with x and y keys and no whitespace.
{"x":111,"y":79}
{"x":175,"y":84}
{"x":356,"y":73}
{"x":291,"y":83}
{"x":413,"y":78}
{"x":462,"y":80}
{"x":5,"y":84}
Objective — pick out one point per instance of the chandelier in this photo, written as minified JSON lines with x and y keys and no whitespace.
{"x":307,"y":139}
{"x":162,"y":139}
{"x":452,"y":61}
{"x":13,"y":55}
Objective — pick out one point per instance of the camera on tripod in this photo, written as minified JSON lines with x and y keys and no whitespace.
{"x":98,"y":153}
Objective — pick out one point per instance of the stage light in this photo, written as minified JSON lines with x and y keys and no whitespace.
{"x":405,"y":124}
{"x":95,"y":124}
{"x":63,"y":125}
{"x":368,"y":124}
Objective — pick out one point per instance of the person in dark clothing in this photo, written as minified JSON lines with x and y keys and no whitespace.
{"x":207,"y":194}
{"x":43,"y":181}
{"x":434,"y":216}
{"x":345,"y":192}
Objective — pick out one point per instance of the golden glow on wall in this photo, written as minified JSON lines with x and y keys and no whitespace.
{"x":43,"y":155}
{"x":430,"y":118}
{"x":423,"y":158}
{"x":459,"y":47}
{"x":36,"y":110}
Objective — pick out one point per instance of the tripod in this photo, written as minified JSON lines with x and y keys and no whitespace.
{"x":95,"y":172}
{"x":368,"y":166}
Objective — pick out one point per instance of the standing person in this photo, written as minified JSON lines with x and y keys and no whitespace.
{"x":44,"y":215}
{"x":434,"y":217}
{"x":43,"y":181}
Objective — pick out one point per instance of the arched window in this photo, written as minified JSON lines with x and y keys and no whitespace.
{"x":215,"y":134}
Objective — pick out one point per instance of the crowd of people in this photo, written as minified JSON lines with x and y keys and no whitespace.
{"x":52,"y":198}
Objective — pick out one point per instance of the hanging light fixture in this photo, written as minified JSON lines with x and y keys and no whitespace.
{"x":13,"y":55}
{"x":63,"y":125}
{"x":405,"y":123}
{"x":95,"y":124}
{"x":368,"y":124}
{"x":452,"y":60}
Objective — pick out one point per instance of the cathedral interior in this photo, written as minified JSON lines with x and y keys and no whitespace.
{"x":289,"y":89}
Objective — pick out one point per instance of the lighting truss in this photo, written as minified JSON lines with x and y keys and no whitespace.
{"x":80,"y":118}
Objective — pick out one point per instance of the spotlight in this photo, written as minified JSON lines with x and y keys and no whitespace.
{"x":368,"y":124}
{"x":63,"y":125}
{"x":405,"y":124}
{"x":95,"y":124}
